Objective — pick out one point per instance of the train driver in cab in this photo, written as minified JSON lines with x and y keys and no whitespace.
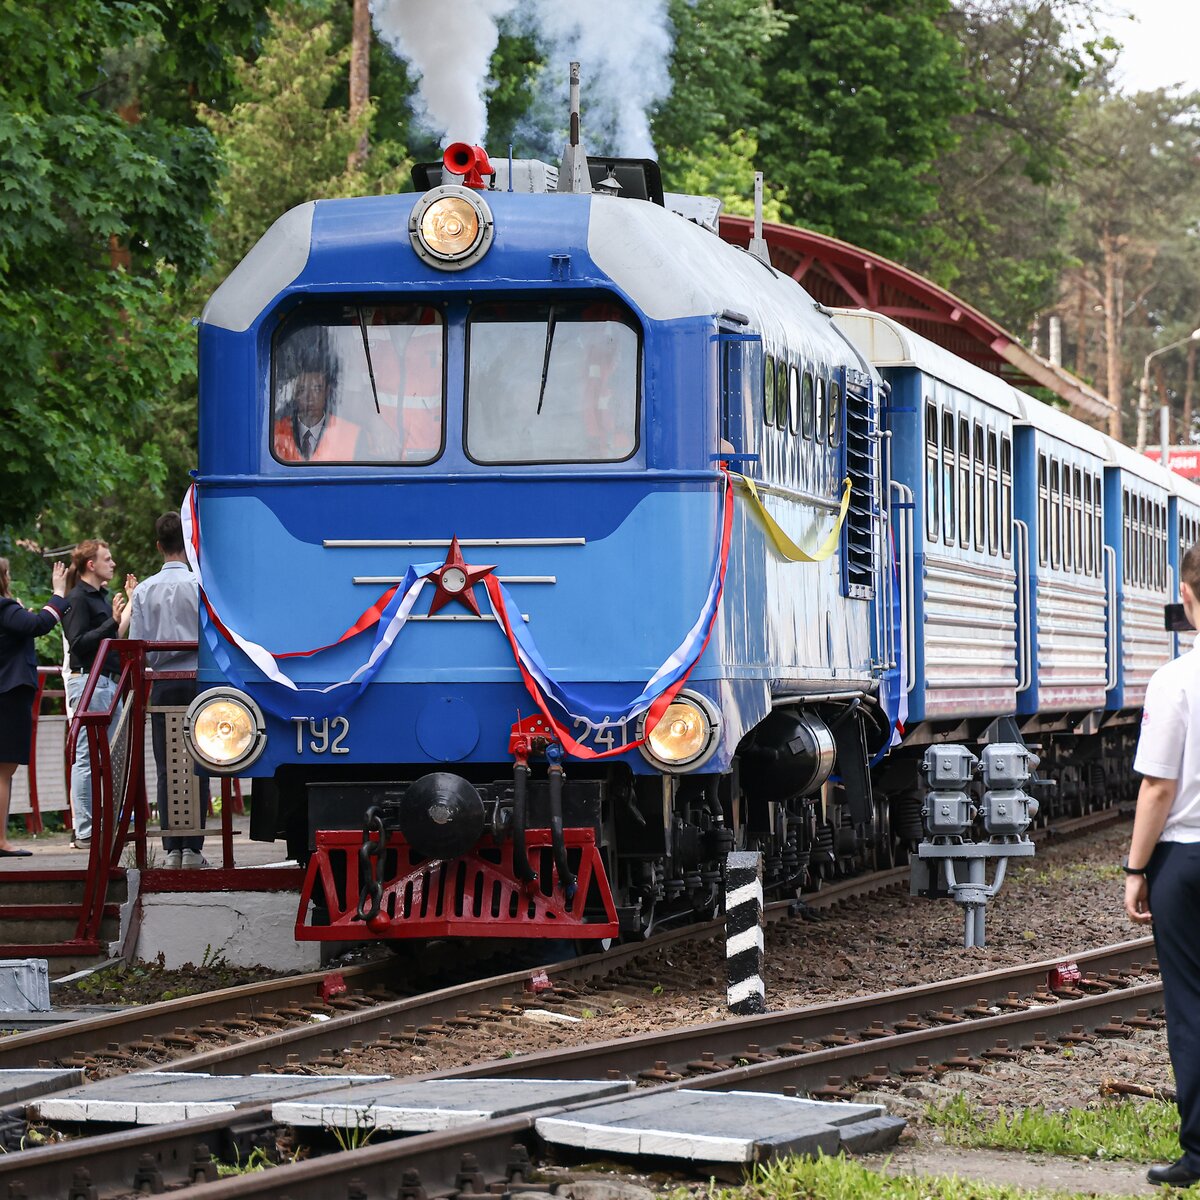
{"x":307,"y":429}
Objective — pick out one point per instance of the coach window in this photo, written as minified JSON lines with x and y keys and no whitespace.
{"x":835,"y":412}
{"x":1068,"y":526}
{"x":554,"y":382}
{"x":358,"y":383}
{"x":1140,"y":538}
{"x":1151,"y":544}
{"x":1099,"y":524}
{"x":807,"y":419}
{"x":820,"y":414}
{"x":932,"y":484}
{"x":1043,"y":512}
{"x":1089,"y":528}
{"x":1126,"y":538}
{"x":1082,"y":520}
{"x":964,"y":483}
{"x":781,"y":394}
{"x":1055,"y":515}
{"x":979,"y":490}
{"x":794,"y":400}
{"x":949,"y":503}
{"x":993,"y":494}
{"x":1006,"y":514}
{"x":768,"y":390}
{"x":1160,"y":540}
{"x":1148,"y":543}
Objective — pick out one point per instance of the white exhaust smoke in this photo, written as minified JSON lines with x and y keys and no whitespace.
{"x":623,"y":46}
{"x":449,"y":43}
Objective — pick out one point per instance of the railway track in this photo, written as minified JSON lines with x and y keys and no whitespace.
{"x":287,"y":1023}
{"x":959,"y":1024}
{"x":244,"y":1028}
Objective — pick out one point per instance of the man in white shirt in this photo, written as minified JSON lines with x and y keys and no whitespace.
{"x":1163,"y":867}
{"x":166,"y":609}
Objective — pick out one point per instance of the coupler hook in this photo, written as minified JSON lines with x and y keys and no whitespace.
{"x":370,"y":868}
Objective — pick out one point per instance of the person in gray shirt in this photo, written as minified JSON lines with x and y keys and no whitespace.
{"x":166,"y":609}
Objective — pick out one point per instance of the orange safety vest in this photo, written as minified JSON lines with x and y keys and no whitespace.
{"x":339,"y":441}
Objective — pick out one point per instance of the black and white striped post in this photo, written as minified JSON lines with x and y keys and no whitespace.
{"x":746,"y":992}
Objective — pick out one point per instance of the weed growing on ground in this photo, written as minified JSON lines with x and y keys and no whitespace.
{"x":257,"y":1160}
{"x":1067,"y":873}
{"x":1143,"y":1131}
{"x":354,"y":1137}
{"x":841,"y":1178}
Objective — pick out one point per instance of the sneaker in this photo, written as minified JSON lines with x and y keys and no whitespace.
{"x":174,"y":860}
{"x":193,"y":859}
{"x":81,"y":844}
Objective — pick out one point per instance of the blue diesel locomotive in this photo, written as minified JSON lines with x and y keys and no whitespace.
{"x":551,"y":547}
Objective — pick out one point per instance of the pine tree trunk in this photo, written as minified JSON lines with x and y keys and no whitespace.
{"x":1112,"y":337}
{"x":1189,"y":389}
{"x":360,"y":77}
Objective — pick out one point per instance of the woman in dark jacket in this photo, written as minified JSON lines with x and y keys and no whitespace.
{"x":18,"y":682}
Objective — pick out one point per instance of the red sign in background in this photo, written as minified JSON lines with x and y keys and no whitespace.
{"x":1183,"y":460}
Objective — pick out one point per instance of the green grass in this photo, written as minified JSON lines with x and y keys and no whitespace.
{"x":841,"y":1178}
{"x":1139,"y":1130}
{"x":1076,"y":872}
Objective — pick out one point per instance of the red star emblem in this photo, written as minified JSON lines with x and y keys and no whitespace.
{"x":456,"y":580}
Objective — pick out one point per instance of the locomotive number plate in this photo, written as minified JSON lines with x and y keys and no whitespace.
{"x":321,"y":736}
{"x":605,"y":734}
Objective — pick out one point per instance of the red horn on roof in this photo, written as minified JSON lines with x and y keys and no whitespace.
{"x":471,"y":162}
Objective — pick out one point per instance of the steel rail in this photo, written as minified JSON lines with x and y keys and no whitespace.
{"x":734,"y":1038}
{"x":106,"y":1034}
{"x":439,"y":1162}
{"x":434,"y":1008}
{"x":163,"y":1156}
{"x":90,"y":1034}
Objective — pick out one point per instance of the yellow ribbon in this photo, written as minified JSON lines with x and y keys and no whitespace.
{"x":784,"y":544}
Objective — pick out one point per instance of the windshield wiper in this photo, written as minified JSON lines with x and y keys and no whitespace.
{"x":551,"y":322}
{"x":362,"y":326}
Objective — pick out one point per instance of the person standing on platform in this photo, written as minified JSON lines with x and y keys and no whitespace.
{"x":18,"y":683}
{"x":166,"y":609}
{"x":90,"y":618}
{"x":1163,"y":867}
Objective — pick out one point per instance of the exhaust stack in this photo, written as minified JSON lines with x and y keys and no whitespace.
{"x":574,"y":175}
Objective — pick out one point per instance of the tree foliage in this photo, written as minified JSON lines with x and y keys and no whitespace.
{"x":1134,"y":227}
{"x":706,"y":130}
{"x":858,"y":107}
{"x":103,"y":208}
{"x":144,"y":148}
{"x":998,"y":237}
{"x":281,"y":142}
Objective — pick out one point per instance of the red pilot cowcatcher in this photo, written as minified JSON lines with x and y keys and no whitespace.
{"x":456,"y":580}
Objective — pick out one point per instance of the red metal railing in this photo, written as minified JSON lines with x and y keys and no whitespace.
{"x":120,"y":806}
{"x":33,"y":818}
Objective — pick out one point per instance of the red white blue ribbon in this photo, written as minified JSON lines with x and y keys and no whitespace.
{"x":388,"y":616}
{"x":659,"y":691}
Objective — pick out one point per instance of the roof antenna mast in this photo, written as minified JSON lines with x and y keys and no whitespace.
{"x":574,"y":176}
{"x":758,"y":246}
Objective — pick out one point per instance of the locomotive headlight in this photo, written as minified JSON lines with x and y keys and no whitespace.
{"x":451,"y":227}
{"x":686,"y":735}
{"x":224,"y":730}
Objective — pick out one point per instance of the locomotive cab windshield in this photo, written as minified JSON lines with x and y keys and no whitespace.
{"x":358,"y":383}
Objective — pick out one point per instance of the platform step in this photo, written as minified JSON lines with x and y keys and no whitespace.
{"x":54,"y":887}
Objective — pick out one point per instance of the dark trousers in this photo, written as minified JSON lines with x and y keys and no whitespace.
{"x":1174,"y":878}
{"x":165,"y":692}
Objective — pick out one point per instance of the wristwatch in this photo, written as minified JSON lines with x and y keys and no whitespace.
{"x":1132,"y":870}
